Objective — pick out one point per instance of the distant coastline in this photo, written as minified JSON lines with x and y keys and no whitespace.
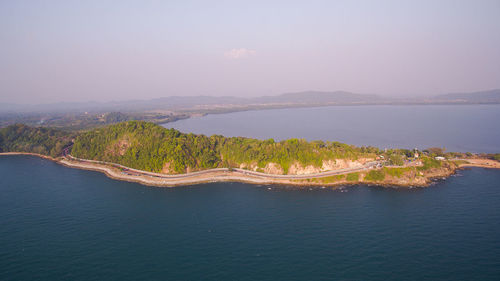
{"x":77,"y":116}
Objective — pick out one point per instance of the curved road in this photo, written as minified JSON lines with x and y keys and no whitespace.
{"x":131,"y":171}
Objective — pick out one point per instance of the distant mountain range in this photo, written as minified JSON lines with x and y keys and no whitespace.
{"x":307,"y":98}
{"x":492,"y":96}
{"x":316,"y":97}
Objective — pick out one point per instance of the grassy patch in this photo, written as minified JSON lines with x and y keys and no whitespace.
{"x":460,"y":162}
{"x":375,"y":175}
{"x":352,"y":177}
{"x":429,"y":163}
{"x":397,"y":172}
{"x":330,"y":179}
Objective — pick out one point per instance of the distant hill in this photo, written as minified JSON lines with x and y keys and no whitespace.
{"x":168,"y":103}
{"x":491,"y":96}
{"x":190,"y":102}
{"x":317,"y":97}
{"x":22,"y":138}
{"x":306,"y":98}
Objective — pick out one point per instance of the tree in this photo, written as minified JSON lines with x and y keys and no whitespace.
{"x":436,"y":151}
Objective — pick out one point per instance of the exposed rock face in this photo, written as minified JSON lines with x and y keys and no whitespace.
{"x":273,"y":168}
{"x":297,"y":169}
{"x":408,"y":178}
{"x":166,"y":168}
{"x":251,"y":166}
{"x":337,"y":164}
{"x":444,"y":171}
{"x":120,"y":146}
{"x":328,"y":165}
{"x":123,"y":145}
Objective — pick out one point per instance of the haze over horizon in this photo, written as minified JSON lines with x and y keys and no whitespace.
{"x":70,"y":51}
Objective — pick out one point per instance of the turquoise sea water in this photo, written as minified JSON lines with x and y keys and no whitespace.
{"x":58,"y":223}
{"x":473,"y":128}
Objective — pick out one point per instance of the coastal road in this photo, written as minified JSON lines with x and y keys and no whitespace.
{"x":135,"y":172}
{"x":367,"y":166}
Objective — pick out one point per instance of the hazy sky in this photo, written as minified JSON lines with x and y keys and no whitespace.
{"x":114,"y":50}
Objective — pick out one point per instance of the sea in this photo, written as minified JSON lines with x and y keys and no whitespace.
{"x":58,"y":223}
{"x":459,"y":128}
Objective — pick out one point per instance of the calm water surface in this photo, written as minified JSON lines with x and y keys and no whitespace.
{"x":58,"y":223}
{"x":473,"y":128}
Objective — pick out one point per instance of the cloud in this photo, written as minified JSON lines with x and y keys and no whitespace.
{"x":239,"y":53}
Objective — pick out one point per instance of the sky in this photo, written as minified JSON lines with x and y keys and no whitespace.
{"x":54,"y":51}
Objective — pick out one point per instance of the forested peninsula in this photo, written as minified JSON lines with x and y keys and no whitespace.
{"x":151,"y":154}
{"x":150,"y":147}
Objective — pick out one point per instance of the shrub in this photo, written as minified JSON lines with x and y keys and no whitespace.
{"x":396,"y":160}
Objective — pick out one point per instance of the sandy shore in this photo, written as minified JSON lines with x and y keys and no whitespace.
{"x":483,"y":163}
